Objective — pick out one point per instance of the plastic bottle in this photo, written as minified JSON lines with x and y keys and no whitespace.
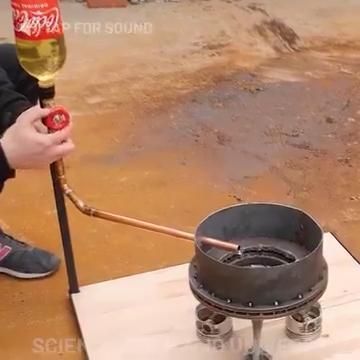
{"x":39,"y":38}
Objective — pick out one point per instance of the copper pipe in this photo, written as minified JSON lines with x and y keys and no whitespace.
{"x":90,"y":211}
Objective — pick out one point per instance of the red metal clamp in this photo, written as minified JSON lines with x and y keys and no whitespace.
{"x":58,"y":119}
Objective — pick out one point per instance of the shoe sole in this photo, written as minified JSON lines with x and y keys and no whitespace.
{"x":20,"y":275}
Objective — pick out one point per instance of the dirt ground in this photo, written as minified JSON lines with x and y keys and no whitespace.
{"x":180,"y":109}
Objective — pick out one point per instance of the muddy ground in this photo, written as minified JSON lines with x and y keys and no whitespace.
{"x":220,"y":102}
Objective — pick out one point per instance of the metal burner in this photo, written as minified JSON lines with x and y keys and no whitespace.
{"x":280,"y":271}
{"x":281,"y":268}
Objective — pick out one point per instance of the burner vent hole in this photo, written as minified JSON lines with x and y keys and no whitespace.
{"x":259,"y":257}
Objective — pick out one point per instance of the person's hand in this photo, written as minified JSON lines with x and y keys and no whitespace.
{"x":27,"y":146}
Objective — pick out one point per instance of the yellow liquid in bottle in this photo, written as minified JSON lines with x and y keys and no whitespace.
{"x":42,"y":58}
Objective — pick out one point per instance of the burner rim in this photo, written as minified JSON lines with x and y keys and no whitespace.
{"x":200,"y":247}
{"x":267,"y":311}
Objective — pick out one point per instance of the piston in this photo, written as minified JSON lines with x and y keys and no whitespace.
{"x":306,"y":325}
{"x":212,"y":328}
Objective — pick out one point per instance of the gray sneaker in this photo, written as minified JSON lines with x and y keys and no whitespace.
{"x":23,"y":261}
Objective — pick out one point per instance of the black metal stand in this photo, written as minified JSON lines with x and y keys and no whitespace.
{"x":65,"y":233}
{"x":46,"y":94}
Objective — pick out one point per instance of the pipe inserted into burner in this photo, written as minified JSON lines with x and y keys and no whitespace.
{"x":90,"y":211}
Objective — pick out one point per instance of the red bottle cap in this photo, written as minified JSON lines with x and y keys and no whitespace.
{"x":58,"y":119}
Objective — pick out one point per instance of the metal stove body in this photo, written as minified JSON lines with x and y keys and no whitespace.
{"x":280,"y":272}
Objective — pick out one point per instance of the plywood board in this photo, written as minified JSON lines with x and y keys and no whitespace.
{"x":151,"y":315}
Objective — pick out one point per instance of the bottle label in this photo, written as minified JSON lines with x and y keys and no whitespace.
{"x":37,"y":19}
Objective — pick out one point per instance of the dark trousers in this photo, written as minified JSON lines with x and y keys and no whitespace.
{"x":23,"y":83}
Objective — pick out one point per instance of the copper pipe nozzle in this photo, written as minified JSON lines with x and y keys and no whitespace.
{"x":90,"y":211}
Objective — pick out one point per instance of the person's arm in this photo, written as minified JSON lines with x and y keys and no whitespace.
{"x":12,"y":104}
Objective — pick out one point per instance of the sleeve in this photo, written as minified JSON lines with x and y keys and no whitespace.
{"x":12,"y":104}
{"x":5,"y":171}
